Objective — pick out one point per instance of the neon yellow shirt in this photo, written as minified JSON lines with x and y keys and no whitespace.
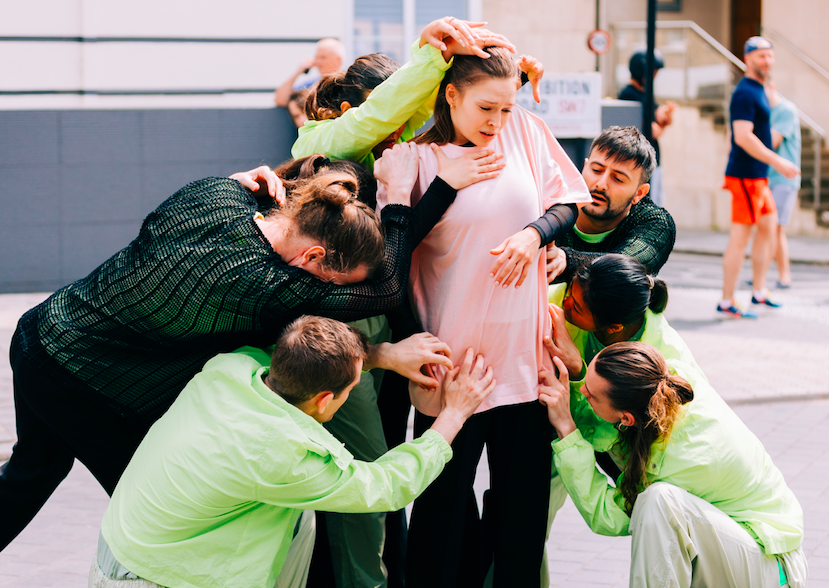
{"x":211,"y":496}
{"x":408,"y":96}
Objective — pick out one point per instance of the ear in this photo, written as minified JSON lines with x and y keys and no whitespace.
{"x":344,"y":106}
{"x":614,"y":329}
{"x":451,"y":95}
{"x":315,"y":253}
{"x":641,"y":192}
{"x":628,"y":419}
{"x":322,"y":400}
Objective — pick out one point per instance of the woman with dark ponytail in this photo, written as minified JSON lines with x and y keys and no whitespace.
{"x":701,"y":498}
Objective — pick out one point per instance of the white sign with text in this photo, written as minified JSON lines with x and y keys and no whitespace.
{"x":570,"y":104}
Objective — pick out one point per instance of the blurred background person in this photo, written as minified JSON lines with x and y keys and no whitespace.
{"x":785,"y":139}
{"x":296,"y":107}
{"x":328,"y":59}
{"x":662,"y":115}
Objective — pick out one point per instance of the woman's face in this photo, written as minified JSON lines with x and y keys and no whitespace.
{"x":575,"y":308}
{"x":481,"y":110}
{"x":594,"y":390}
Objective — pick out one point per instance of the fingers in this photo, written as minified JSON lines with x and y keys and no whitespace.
{"x":524,"y":273}
{"x":498,"y":251}
{"x":536,"y":91}
{"x":441,"y":156}
{"x":563,"y":374}
{"x":466,"y":365}
{"x":545,"y":378}
{"x":428,"y":380}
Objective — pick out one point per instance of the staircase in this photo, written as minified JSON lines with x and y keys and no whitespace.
{"x":700,"y":72}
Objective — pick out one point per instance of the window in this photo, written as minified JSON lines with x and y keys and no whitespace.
{"x":390,"y":26}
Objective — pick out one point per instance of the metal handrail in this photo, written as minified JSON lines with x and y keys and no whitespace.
{"x":769,"y":32}
{"x":819,"y":131}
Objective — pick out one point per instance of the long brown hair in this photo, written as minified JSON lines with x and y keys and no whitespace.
{"x":466,"y":70}
{"x":639,"y":383}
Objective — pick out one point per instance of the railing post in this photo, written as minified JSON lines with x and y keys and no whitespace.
{"x":817,"y":178}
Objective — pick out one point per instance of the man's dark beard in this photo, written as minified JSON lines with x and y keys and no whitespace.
{"x":609,"y":213}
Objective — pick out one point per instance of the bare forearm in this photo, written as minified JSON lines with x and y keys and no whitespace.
{"x":751,"y":144}
{"x":283,"y":93}
{"x":449,"y":423}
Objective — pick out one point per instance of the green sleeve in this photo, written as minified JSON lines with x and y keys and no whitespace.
{"x":387,"y":484}
{"x":598,"y":502}
{"x":393,"y":103}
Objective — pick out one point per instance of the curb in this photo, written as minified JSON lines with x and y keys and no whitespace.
{"x":691,"y":251}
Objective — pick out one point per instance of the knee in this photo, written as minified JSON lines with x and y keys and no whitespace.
{"x":658,"y":503}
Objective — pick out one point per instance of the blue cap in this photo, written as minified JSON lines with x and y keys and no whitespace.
{"x":757,"y":43}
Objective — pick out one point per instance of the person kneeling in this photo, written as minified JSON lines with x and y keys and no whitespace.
{"x":214,"y":492}
{"x":699,"y":495}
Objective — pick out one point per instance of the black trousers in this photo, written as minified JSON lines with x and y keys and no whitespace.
{"x":448,"y":546}
{"x":55,"y":425}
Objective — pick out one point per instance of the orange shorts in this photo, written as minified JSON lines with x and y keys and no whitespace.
{"x":750,"y":199}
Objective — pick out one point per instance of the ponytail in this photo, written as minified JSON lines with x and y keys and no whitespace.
{"x":659,"y":296}
{"x":352,"y":86}
{"x":639,"y":383}
{"x":295,"y":172}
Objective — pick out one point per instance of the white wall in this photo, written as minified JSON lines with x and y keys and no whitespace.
{"x":158,"y":66}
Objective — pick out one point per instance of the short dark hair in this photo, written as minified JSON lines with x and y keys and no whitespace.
{"x":313,"y":355}
{"x":624,"y":144}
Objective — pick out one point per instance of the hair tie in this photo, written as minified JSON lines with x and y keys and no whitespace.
{"x":320,"y":163}
{"x":650,"y":282}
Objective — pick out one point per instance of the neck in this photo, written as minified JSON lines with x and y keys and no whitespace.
{"x":276,"y":229}
{"x":756,"y":76}
{"x":308,"y":407}
{"x":625,"y":334}
{"x":593,"y":226}
{"x":637,"y":85}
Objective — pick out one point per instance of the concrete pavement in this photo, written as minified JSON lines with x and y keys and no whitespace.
{"x":773,"y":371}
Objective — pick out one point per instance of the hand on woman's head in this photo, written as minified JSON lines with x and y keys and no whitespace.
{"x":255,"y":179}
{"x":438,"y":31}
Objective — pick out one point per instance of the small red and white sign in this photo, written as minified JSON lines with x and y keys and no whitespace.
{"x":599,"y":42}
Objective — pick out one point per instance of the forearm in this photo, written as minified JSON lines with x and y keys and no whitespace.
{"x":389,"y":483}
{"x":558,"y":219}
{"x":389,"y":106}
{"x":751,"y":144}
{"x":448,"y":423}
{"x":431,"y":208}
{"x":283,"y":93}
{"x":595,"y":499}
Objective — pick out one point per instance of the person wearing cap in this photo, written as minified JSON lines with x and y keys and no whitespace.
{"x":663,"y":115}
{"x":746,"y":177}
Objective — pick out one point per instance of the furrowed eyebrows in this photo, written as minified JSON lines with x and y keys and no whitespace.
{"x":485,"y":101}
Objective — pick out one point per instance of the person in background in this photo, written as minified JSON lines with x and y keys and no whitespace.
{"x":212,"y":496}
{"x":746,"y":177}
{"x":663,"y":115}
{"x":785,"y":139}
{"x":699,"y":495}
{"x":296,"y":107}
{"x":621,"y":217}
{"x":328,"y":59}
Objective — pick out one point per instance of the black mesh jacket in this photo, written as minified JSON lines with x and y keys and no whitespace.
{"x":647,"y":234}
{"x":199,"y":279}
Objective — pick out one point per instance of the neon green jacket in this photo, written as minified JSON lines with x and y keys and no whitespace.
{"x":657,"y":333}
{"x":408,"y":96}
{"x":211,"y":496}
{"x":711,"y":454}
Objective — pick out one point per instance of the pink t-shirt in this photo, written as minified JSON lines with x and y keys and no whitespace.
{"x":452,"y":291}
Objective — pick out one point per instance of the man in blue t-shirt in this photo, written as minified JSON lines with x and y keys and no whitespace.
{"x":746,"y":177}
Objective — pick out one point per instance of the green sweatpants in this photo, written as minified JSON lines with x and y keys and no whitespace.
{"x":356,"y":540}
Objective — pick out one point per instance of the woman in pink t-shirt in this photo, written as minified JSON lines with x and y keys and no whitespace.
{"x":461,"y":279}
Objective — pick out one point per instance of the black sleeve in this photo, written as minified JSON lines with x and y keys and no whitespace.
{"x":431,"y":208}
{"x":558,"y":219}
{"x":647,"y":235}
